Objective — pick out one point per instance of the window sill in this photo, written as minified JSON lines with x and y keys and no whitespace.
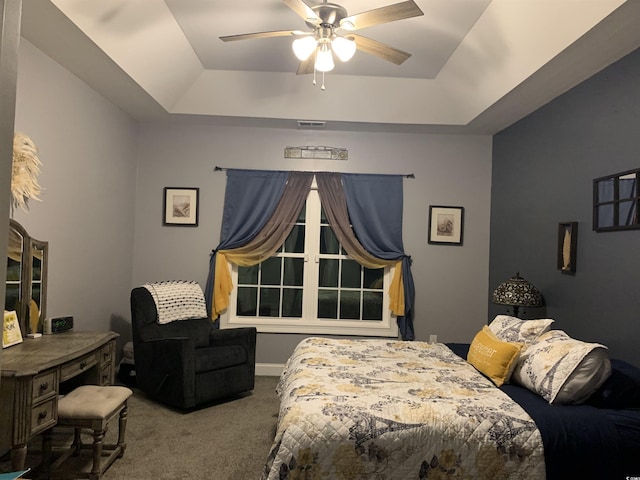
{"x":318,"y":327}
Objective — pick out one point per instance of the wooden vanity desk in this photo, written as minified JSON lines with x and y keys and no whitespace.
{"x":36,"y":371}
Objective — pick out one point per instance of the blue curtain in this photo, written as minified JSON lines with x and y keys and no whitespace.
{"x":375,"y":204}
{"x":251,"y":196}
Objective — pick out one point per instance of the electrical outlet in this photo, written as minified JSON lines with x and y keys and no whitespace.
{"x":433,"y":338}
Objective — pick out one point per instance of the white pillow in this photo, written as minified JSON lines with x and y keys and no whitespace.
{"x":513,"y":329}
{"x":177,"y":300}
{"x":561,"y":369}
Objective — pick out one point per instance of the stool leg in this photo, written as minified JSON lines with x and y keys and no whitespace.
{"x":77,"y":442}
{"x":98,"y":437}
{"x":122,"y":425}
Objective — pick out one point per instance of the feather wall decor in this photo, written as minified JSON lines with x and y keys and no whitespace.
{"x":25,"y":171}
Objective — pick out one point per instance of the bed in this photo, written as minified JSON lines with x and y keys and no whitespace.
{"x":386,"y":409}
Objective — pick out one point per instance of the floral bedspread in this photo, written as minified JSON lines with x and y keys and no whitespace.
{"x":385,"y":409}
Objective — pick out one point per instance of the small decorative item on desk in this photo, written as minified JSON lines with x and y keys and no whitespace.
{"x":11,"y":334}
{"x":34,"y":320}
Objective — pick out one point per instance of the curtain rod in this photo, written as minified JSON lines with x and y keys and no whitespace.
{"x":224,"y":169}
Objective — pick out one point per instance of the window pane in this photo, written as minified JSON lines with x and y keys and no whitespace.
{"x":373,"y":278}
{"x":328,"y":272}
{"x":627,"y":186}
{"x":327,"y":304}
{"x":303,"y":214}
{"x":11,"y":297}
{"x":372,"y":306}
{"x":293,"y":271}
{"x":271,"y":271}
{"x":35,"y":293}
{"x":292,"y":302}
{"x":247,"y":305}
{"x":13,"y":270}
{"x":248,"y":275}
{"x":627,"y":213}
{"x":295,"y":241}
{"x":328,"y":241}
{"x":350,"y":274}
{"x":605,"y":190}
{"x":605,"y":216}
{"x":350,"y":305}
{"x":269,"y":302}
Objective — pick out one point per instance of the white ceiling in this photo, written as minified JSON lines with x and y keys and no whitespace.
{"x":476,"y":66}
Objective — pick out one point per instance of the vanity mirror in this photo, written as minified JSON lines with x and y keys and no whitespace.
{"x":26,"y":288}
{"x":616,"y":201}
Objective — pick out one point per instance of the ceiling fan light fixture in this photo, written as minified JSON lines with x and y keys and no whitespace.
{"x":324,"y":59}
{"x":304,"y":47}
{"x":344,"y":48}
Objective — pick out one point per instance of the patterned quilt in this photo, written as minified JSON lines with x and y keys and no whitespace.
{"x":385,"y":409}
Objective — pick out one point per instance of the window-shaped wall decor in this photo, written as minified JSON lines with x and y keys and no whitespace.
{"x":616,"y":202}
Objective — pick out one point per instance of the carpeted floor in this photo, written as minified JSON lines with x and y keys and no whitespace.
{"x":225,"y":441}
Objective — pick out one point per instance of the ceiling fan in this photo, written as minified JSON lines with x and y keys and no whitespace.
{"x":331,"y":32}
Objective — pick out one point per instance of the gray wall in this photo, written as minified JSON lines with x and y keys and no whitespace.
{"x":543,"y":171}
{"x":451,"y":282}
{"x":104,"y":176}
{"x":87,"y":147}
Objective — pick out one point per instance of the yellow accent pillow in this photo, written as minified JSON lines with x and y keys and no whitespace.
{"x":493,"y":357}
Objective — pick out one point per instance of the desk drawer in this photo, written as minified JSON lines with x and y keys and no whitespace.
{"x":77,"y":366}
{"x":44,"y":385}
{"x":44,"y":415}
{"x":107,"y":352}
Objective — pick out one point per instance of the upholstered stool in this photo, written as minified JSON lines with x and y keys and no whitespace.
{"x":93,"y":407}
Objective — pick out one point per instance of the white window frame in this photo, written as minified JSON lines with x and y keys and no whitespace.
{"x":308,"y":324}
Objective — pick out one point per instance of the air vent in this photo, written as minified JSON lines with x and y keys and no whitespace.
{"x":311,"y":124}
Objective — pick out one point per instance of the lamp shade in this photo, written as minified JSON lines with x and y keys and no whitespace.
{"x":517,"y":292}
{"x":324,"y":59}
{"x":304,"y":47}
{"x":343,"y":48}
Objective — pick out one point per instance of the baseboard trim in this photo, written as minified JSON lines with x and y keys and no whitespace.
{"x":269,"y":369}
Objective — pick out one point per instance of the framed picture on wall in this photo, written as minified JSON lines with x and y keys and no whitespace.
{"x":446,"y":225}
{"x":567,"y":247}
{"x":181,"y":206}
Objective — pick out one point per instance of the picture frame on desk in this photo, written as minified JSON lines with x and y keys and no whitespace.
{"x":180,"y":206}
{"x":11,"y":334}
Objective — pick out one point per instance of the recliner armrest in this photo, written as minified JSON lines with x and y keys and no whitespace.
{"x":246,"y":337}
{"x":167,"y":361}
{"x":233,"y":336}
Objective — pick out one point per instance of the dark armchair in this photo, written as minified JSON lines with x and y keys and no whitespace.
{"x":187,"y":363}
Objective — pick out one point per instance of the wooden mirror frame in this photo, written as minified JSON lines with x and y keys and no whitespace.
{"x":31,"y":280}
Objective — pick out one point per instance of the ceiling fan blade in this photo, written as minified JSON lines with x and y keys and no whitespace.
{"x":379,"y":49}
{"x":390,"y":13}
{"x":306,"y":66}
{"x":275,"y":33}
{"x":303,"y":10}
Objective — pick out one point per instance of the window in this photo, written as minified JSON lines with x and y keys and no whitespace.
{"x":616,"y":202}
{"x":311,"y":286}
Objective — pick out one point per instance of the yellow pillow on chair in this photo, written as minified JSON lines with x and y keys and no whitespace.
{"x":493,"y":357}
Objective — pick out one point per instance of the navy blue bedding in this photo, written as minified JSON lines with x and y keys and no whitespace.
{"x":580,"y":441}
